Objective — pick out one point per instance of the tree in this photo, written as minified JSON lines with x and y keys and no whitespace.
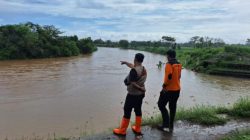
{"x":168,"y":40}
{"x":123,"y":44}
{"x":31,"y":40}
{"x":194,"y":40}
{"x":248,"y":41}
{"x":200,"y":42}
{"x":208,"y":41}
{"x":86,"y":45}
{"x":218,"y":42}
{"x":99,"y":41}
{"x":109,"y":43}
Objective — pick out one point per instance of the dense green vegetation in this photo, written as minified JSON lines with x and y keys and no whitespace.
{"x":238,"y":135}
{"x":207,"y":115}
{"x":229,"y":60}
{"x":24,"y":41}
{"x":201,"y":54}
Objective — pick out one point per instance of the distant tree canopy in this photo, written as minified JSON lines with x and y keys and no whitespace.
{"x":23,"y":41}
{"x":200,"y":42}
{"x":99,"y":41}
{"x":166,"y":41}
{"x":248,"y":41}
{"x":169,"y":41}
{"x":124,"y":44}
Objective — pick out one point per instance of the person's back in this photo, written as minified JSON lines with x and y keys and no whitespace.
{"x":170,"y":92}
{"x":140,"y":76}
{"x":172,"y":76}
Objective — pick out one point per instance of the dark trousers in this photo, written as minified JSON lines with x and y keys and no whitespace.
{"x":133,"y":101}
{"x":164,"y":98}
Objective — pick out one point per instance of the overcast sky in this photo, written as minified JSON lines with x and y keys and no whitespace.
{"x":135,"y":19}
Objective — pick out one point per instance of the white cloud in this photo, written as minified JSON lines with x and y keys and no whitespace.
{"x":145,"y":20}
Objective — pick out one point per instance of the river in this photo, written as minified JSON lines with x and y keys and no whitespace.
{"x":85,"y":94}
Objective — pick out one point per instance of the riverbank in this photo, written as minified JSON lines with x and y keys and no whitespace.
{"x":183,"y":131}
{"x":231,"y":60}
{"x":232,"y":130}
{"x":207,"y":115}
{"x":227,"y":61}
{"x":201,"y":122}
{"x":238,"y":135}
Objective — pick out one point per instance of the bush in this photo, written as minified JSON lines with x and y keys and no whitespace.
{"x":86,"y":45}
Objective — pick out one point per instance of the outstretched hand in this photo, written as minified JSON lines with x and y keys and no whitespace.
{"x":123,"y":62}
{"x":130,"y":65}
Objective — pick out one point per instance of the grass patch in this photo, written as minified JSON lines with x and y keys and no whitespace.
{"x":239,"y":135}
{"x":205,"y":115}
{"x":241,"y":108}
{"x":153,"y":120}
{"x":222,"y":110}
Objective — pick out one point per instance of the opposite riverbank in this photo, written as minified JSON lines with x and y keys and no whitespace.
{"x":230,"y":60}
{"x":32,"y":41}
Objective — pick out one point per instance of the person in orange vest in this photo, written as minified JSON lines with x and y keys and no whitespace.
{"x":136,"y":92}
{"x":170,"y":91}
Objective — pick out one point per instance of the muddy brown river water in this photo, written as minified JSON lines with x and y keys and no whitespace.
{"x":78,"y":95}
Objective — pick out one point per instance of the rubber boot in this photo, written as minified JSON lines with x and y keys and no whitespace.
{"x":137,"y":127}
{"x":123,"y":128}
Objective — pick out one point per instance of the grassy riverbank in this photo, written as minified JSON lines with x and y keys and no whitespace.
{"x":207,"y":115}
{"x":230,"y":60}
{"x":238,"y":135}
{"x":202,"y":115}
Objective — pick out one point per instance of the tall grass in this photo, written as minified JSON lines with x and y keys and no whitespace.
{"x":207,"y":115}
{"x":241,"y":108}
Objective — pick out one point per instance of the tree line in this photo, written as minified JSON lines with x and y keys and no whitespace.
{"x":166,"y":41}
{"x":29,"y":40}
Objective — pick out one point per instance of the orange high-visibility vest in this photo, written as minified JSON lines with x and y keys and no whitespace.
{"x":172,"y":77}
